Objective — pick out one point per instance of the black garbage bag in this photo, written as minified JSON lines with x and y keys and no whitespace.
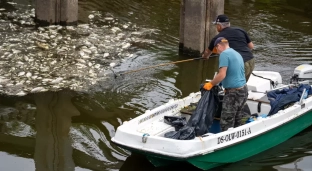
{"x":185,"y":133}
{"x":173,"y":134}
{"x":176,"y":121}
{"x":205,"y":111}
{"x":201,"y":119}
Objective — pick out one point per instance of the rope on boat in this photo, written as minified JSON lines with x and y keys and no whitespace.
{"x":271,"y":81}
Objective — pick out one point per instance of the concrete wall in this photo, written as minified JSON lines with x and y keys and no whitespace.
{"x":49,"y":12}
{"x":196,"y":27}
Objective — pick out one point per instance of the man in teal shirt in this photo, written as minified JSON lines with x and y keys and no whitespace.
{"x":231,"y":74}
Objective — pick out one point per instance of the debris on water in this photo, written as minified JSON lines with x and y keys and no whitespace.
{"x":112,"y":64}
{"x":37,"y":89}
{"x":58,"y":57}
{"x":43,"y":45}
{"x":21,"y":93}
{"x":91,"y":16}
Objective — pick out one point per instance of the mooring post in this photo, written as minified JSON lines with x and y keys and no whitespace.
{"x":50,"y":12}
{"x":196,"y":28}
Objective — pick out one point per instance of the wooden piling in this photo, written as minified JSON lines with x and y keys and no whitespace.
{"x":196,"y":29}
{"x":54,"y":12}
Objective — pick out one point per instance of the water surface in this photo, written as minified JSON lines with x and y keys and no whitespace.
{"x":70,"y":130}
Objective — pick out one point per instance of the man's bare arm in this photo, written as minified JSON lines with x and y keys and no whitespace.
{"x":250,"y":45}
{"x":220,"y":76}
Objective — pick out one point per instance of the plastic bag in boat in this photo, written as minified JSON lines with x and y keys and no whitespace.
{"x":201,"y":119}
{"x":205,"y":111}
{"x":176,"y":121}
{"x":181,"y":132}
{"x":185,"y":133}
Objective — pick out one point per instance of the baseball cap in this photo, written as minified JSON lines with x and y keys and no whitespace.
{"x":217,"y":41}
{"x":220,"y":39}
{"x":221,"y":19}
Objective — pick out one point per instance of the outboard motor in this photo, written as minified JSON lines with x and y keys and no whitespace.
{"x":302,"y":72}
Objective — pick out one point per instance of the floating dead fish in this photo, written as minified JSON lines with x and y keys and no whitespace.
{"x":87,"y":51}
{"x":84,"y":26}
{"x":127,"y":45}
{"x":21,"y":93}
{"x":42,"y":45}
{"x":106,"y":55}
{"x":108,"y":18}
{"x":86,"y":57}
{"x":81,"y":61}
{"x":70,"y":28}
{"x":41,"y":29}
{"x":12,"y":3}
{"x":66,"y":55}
{"x":16,"y":51}
{"x":91,"y":16}
{"x":47,"y":80}
{"x":112,"y":64}
{"x":4,"y":81}
{"x":21,"y":74}
{"x":97,"y":66}
{"x":9,"y":85}
{"x":56,"y":81}
{"x":28,"y":74}
{"x":115,"y":29}
{"x":38,"y":89}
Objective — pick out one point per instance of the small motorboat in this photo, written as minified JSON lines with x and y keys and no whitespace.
{"x":145,"y":133}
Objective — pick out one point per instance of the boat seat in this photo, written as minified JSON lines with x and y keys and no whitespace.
{"x":260,"y":101}
{"x":156,"y":128}
{"x":258,"y":97}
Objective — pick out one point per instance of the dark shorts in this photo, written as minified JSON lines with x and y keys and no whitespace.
{"x":233,"y":103}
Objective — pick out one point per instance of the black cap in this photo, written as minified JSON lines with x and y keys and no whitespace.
{"x":221,"y":19}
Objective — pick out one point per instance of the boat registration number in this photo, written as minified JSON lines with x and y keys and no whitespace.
{"x":234,"y":135}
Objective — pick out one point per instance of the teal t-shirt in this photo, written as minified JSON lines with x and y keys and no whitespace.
{"x":235,"y":74}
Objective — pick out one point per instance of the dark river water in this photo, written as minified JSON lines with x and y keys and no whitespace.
{"x":70,"y":130}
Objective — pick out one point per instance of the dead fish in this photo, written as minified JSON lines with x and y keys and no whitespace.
{"x":56,"y":81}
{"x":81,"y":61}
{"x":38,"y":89}
{"x":106,"y":55}
{"x":43,"y":45}
{"x":21,"y":74}
{"x":91,"y":16}
{"x":21,"y":93}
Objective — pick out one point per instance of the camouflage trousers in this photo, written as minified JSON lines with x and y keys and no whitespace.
{"x":232,"y":105}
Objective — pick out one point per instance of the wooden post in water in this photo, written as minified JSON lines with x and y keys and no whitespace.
{"x":50,"y":12}
{"x":196,"y":28}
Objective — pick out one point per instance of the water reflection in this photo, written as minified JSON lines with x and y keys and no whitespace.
{"x":42,"y":124}
{"x":53,"y":150}
{"x":302,"y":164}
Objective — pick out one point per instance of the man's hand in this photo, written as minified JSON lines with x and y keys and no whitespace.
{"x":208,"y":86}
{"x":206,"y":54}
